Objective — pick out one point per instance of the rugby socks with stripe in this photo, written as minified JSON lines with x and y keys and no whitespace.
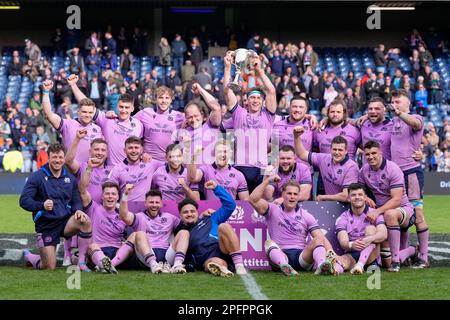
{"x":422,"y":237}
{"x":319,"y":254}
{"x":150,"y":259}
{"x":394,"y":242}
{"x":84,"y":240}
{"x":406,"y":253}
{"x":179,"y":259}
{"x":404,"y":239}
{"x":123,"y":253}
{"x":365,"y":253}
{"x":97,"y":257}
{"x":237,"y":258}
{"x":68,"y":248}
{"x":33,"y":259}
{"x":277,"y":256}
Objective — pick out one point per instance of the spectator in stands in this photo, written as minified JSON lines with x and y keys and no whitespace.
{"x":57,"y":41}
{"x":296,"y":86}
{"x":15,"y":68}
{"x":32,"y":52}
{"x":289,"y":61}
{"x":62,"y":86}
{"x":372,"y":88}
{"x":76,"y":60}
{"x":110,"y":45}
{"x":433,"y":40}
{"x":446,"y":161}
{"x":93,"y":63}
{"x":195,"y":52}
{"x":393,"y":57}
{"x":366,"y":76}
{"x":254,"y":44}
{"x":277,"y":63}
{"x":27,"y":154}
{"x":285,"y":102}
{"x":436,"y":89}
{"x":93,"y":42}
{"x":425,"y":57}
{"x":316,"y":93}
{"x":353,"y":104}
{"x":65,"y":109}
{"x":386,"y":89}
{"x":173,"y":79}
{"x":203,"y":78}
{"x":414,"y":39}
{"x":30,"y":71}
{"x":164,"y":54}
{"x":147,"y":99}
{"x":8,"y":104}
{"x":157,"y":80}
{"x":380,"y":58}
{"x":5,"y":129}
{"x":126,"y":61}
{"x":178,"y":50}
{"x":310,"y":58}
{"x":414,"y":60}
{"x":421,"y":98}
{"x":350,"y":80}
{"x":35,"y":102}
{"x":397,"y":79}
{"x":307,"y":78}
{"x":187,"y":71}
{"x":41,"y":154}
{"x":40,"y":135}
{"x":109,"y":61}
{"x":329,"y":95}
{"x":95,"y":91}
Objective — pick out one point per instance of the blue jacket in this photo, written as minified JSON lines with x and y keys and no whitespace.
{"x":42,"y":185}
{"x":204,"y":233}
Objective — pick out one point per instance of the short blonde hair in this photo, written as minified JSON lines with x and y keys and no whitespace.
{"x":164,"y":90}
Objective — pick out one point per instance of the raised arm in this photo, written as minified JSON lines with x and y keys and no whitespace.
{"x":300,"y":149}
{"x":194,"y":195}
{"x":410,"y":120}
{"x":230,"y":97}
{"x":215,"y":116}
{"x":126,"y":216}
{"x":227,"y":201}
{"x":256,"y":197}
{"x":194,"y":174}
{"x":52,"y":117}
{"x":71,"y":162}
{"x":84,"y":181}
{"x":271,"y":93}
{"x":72,"y":80}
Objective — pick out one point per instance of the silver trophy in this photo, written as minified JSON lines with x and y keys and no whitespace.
{"x":242,"y":64}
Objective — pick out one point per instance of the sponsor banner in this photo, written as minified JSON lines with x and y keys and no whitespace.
{"x":437,"y":183}
{"x":251,"y":228}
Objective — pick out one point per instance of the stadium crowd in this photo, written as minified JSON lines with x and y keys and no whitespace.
{"x":105,"y":66}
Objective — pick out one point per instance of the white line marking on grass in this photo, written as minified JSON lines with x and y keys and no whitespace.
{"x":438,"y":258}
{"x":252,"y":287}
{"x":441,"y":250}
{"x":440,"y":242}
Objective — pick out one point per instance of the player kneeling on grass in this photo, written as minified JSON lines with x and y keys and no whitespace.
{"x":52,"y":195}
{"x":357,"y":236}
{"x":108,"y":230}
{"x":213,"y":244}
{"x":159,"y":227}
{"x":288,"y":226}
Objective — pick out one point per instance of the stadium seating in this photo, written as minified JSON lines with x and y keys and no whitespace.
{"x":338,"y":60}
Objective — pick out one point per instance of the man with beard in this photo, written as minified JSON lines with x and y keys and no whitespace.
{"x":359,"y":238}
{"x":68,"y":127}
{"x":256,"y":122}
{"x":51,"y":193}
{"x":159,"y":227}
{"x":406,"y":138}
{"x":387,"y":183}
{"x":221,"y":171}
{"x":171,"y":178}
{"x":135,"y":171}
{"x":290,"y":169}
{"x":200,"y":131}
{"x":115,"y":130}
{"x":338,"y":171}
{"x":213,"y":244}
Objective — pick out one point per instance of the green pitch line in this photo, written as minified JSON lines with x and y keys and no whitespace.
{"x":14,"y":220}
{"x":21,"y":283}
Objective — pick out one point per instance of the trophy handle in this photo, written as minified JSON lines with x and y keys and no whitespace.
{"x":235,"y":84}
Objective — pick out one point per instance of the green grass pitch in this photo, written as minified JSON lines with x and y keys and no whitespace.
{"x":22,"y":283}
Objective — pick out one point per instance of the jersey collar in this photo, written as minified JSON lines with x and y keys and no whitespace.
{"x":214,"y":165}
{"x":180,"y":172}
{"x":366,"y":210}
